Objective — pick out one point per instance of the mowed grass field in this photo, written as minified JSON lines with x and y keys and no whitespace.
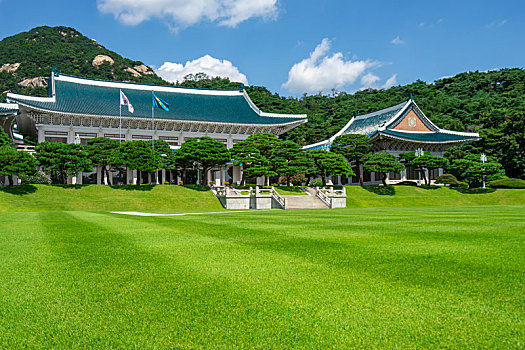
{"x":441,"y":270}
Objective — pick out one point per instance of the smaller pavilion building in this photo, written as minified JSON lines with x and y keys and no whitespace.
{"x":397,"y":129}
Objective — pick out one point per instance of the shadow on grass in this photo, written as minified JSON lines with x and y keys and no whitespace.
{"x":199,"y":188}
{"x":473,"y":190}
{"x":431,"y":187}
{"x":70,"y":187}
{"x":381,"y":190}
{"x":19,"y":190}
{"x":133,"y":187}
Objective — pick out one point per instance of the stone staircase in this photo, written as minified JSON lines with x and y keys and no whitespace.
{"x":310,"y":201}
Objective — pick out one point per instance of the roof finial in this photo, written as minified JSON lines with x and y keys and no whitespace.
{"x":411,"y":97}
{"x":241,"y":87}
{"x":355,"y":113}
{"x":54,"y":71}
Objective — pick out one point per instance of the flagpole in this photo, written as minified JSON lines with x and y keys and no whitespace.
{"x":152,"y":118}
{"x":120,"y":119}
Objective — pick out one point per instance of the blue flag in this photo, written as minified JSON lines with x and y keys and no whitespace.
{"x":157,"y":102}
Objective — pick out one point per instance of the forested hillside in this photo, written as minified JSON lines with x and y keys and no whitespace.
{"x":492,"y":103}
{"x":26,"y":60}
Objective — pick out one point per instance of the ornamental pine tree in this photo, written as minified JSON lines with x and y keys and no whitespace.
{"x":13,"y":162}
{"x":472,"y":169}
{"x":61,"y":160}
{"x":252,"y":155}
{"x":4,"y":138}
{"x":355,"y":148}
{"x":102,"y":152}
{"x":383,"y":162}
{"x":289,"y":159}
{"x":329,"y":164}
{"x":139,"y":155}
{"x":427,"y":161}
{"x":205,"y":152}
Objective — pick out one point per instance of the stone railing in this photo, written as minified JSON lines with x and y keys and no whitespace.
{"x":332,"y":198}
{"x":252,"y":198}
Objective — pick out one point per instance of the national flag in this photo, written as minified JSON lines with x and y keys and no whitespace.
{"x":124,"y":101}
{"x":157,"y":102}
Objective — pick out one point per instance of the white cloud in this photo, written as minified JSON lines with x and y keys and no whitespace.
{"x":369,"y":80}
{"x":321,"y":72}
{"x":211,"y":66}
{"x":397,"y":41}
{"x":496,"y":24}
{"x":390,"y":82}
{"x":184,"y":13}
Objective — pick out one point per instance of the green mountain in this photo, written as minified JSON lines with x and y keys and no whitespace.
{"x":26,"y":60}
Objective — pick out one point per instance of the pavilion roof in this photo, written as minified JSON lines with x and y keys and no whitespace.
{"x":381,"y":123}
{"x":8,"y":108}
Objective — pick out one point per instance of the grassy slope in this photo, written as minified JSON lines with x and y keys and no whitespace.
{"x":448,"y":277}
{"x":409,"y":196}
{"x":100,"y":197}
{"x":170,"y":198}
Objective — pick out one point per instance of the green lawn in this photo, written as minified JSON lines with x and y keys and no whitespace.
{"x":448,"y":276}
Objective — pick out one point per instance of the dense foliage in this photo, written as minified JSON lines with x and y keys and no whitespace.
{"x":383,"y":163}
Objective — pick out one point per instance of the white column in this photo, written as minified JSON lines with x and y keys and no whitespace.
{"x":135,"y":177}
{"x":163,"y":176}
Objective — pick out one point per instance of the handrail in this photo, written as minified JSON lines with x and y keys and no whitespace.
{"x":278,"y":198}
{"x":323,"y":197}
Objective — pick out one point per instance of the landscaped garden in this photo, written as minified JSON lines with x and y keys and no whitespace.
{"x":432,"y":267}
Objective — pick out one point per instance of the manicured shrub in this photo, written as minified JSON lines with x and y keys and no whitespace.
{"x":447,"y":179}
{"x":507,"y":183}
{"x":407,"y":183}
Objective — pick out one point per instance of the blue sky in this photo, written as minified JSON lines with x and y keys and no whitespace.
{"x":293,"y":46}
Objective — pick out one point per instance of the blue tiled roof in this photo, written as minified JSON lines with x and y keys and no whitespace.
{"x":368,"y":123}
{"x":431,"y":137}
{"x":83,"y":96}
{"x":8,"y":108}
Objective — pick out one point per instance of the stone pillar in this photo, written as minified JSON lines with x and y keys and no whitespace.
{"x":41,"y":135}
{"x":209,"y":178}
{"x":223,"y":175}
{"x":71,"y":136}
{"x":149,"y":177}
{"x":404,"y":175}
{"x":79,"y":179}
{"x":163,"y":176}
{"x":103,"y":175}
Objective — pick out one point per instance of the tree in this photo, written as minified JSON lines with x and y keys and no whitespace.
{"x":253,"y":153}
{"x":61,"y":160}
{"x":473,"y":170}
{"x":383,"y":162}
{"x":289,"y":159}
{"x":138,"y":155}
{"x":427,"y":161}
{"x":13,"y":162}
{"x":4,"y":138}
{"x":165,"y":154}
{"x":329,"y":164}
{"x":102,"y":152}
{"x":205,"y":152}
{"x":353,"y":147}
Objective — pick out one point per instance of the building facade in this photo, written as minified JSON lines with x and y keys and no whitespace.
{"x":397,"y":129}
{"x":79,"y":109}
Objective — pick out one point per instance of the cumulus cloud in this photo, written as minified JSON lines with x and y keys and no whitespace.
{"x":213,"y":67}
{"x":184,"y":13}
{"x":397,"y":41}
{"x":390,"y":82}
{"x":369,"y":80}
{"x":321,"y":72}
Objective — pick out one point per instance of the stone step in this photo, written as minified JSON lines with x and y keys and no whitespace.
{"x":304,"y":202}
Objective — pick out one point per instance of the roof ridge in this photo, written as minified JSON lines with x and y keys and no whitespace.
{"x":381,"y":111}
{"x":58,"y":75}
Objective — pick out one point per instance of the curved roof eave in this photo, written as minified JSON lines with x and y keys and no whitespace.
{"x":293,"y":122}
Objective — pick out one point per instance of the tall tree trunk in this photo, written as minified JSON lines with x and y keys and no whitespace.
{"x":324,"y":180}
{"x":425,"y":177}
{"x":139,"y":177}
{"x":384,"y":179}
{"x":359,"y":174}
{"x":288,"y":180}
{"x":10,"y":180}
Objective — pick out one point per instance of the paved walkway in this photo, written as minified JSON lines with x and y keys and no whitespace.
{"x":138,"y":213}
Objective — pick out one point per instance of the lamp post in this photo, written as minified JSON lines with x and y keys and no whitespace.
{"x":483,"y":159}
{"x":419,"y":152}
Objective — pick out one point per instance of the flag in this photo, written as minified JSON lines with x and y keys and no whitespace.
{"x":124,"y":101}
{"x":157,"y":102}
